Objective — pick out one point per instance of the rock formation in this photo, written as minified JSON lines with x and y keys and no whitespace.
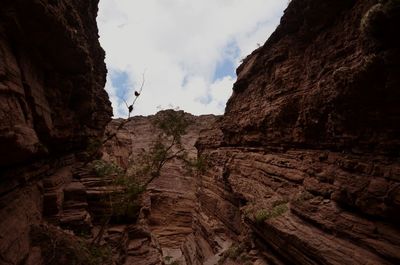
{"x":52,"y":100}
{"x":307,"y":155}
{"x":303,"y":168}
{"x":170,"y":201}
{"x":304,"y":164}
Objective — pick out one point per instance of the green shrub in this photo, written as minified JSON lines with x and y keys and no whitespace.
{"x":233,"y":252}
{"x":303,"y":196}
{"x":125,"y":204}
{"x":262,"y":215}
{"x":168,"y":261}
{"x":279,"y":202}
{"x":279,"y":210}
{"x":199,"y":166}
{"x":172,"y":123}
{"x":103,"y":168}
{"x":202,"y":164}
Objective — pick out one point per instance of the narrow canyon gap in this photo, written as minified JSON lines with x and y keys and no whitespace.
{"x":302,"y":168}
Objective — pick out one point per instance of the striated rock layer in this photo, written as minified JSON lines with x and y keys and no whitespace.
{"x":170,"y":202}
{"x":52,"y":100}
{"x":304,"y":166}
{"x":326,"y":78}
{"x":52,"y":77}
{"x":307,"y":153}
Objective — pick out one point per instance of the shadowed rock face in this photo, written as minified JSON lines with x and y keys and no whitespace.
{"x":304,"y":165}
{"x":308,"y":148}
{"x":52,"y":99}
{"x":326,"y":78}
{"x":52,"y":75}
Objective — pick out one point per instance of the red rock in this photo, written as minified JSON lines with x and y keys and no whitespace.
{"x":313,"y":123}
{"x":52,"y":100}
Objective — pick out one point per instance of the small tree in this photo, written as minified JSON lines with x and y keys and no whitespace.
{"x":172,"y":125}
{"x":146,"y":166}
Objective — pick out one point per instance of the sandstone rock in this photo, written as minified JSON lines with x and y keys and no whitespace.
{"x":308,"y":145}
{"x":52,"y":100}
{"x":171,"y":198}
{"x":19,"y":210}
{"x":317,"y":83}
{"x":303,"y":168}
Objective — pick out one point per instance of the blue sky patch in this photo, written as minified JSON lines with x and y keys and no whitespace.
{"x":120,"y":81}
{"x":226,"y":66}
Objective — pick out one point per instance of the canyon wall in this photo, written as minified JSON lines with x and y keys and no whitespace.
{"x":52,"y":101}
{"x":303,"y":168}
{"x":307,"y":152}
{"x":170,"y":204}
{"x":191,"y":218}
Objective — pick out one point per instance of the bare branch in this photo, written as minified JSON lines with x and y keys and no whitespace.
{"x":126,"y":104}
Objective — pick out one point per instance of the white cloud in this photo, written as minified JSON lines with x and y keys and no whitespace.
{"x":179,"y":43}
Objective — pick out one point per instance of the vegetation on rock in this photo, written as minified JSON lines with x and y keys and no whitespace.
{"x":58,"y":247}
{"x":130,"y":183}
{"x":278,"y":209}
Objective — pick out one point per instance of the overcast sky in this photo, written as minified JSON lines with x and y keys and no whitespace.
{"x":188,"y":49}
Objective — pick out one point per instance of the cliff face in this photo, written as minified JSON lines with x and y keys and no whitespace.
{"x":326,"y":78}
{"x":170,"y":202}
{"x":52,"y":78}
{"x":52,"y":100}
{"x":307,"y":153}
{"x":304,"y":166}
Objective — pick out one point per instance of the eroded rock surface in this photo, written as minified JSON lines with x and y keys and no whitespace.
{"x":52,"y":78}
{"x":170,"y":201}
{"x":303,"y":168}
{"x":52,"y":100}
{"x":304,"y":165}
{"x":326,"y":78}
{"x":308,"y":152}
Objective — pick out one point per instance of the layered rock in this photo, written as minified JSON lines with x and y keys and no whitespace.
{"x":308,"y":152}
{"x":52,"y":100}
{"x":304,"y":165}
{"x":170,"y":201}
{"x":326,"y":78}
{"x":303,"y":168}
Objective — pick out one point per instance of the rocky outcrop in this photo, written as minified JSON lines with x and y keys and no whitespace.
{"x":307,"y":155}
{"x":303,"y":168}
{"x":169,"y":207}
{"x":52,"y":101}
{"x":193,"y":218}
{"x":326,"y":78}
{"x":52,"y":78}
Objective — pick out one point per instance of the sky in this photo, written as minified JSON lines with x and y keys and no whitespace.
{"x":187,"y":50}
